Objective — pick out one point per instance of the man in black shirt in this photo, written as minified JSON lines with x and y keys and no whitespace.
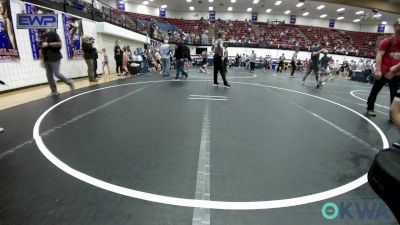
{"x":51,"y":56}
{"x":314,"y":65}
{"x":118,"y":56}
{"x":89,"y":53}
{"x":180,"y":59}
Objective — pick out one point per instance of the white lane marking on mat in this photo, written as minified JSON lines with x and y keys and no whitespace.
{"x":345,"y":132}
{"x":355,"y":96}
{"x":13,"y":150}
{"x":207,"y":96}
{"x":359,"y":104}
{"x":253,"y":205}
{"x":74,"y":119}
{"x":210,"y":99}
{"x":201,"y":216}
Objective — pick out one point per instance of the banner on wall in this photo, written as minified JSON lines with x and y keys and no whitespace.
{"x":8,"y":43}
{"x":381,"y":28}
{"x":73,"y":36}
{"x":254,"y":16}
{"x":212,"y":15}
{"x":121,"y":5}
{"x":162,"y":12}
{"x":293,"y":19}
{"x":332,"y":23}
{"x":35,"y":35}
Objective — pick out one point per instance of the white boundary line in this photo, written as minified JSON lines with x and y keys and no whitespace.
{"x":201,"y":203}
{"x":355,"y":96}
{"x":207,"y":96}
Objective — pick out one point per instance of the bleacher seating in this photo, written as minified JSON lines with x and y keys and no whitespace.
{"x":252,"y":34}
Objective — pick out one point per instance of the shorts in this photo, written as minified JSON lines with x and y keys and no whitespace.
{"x":324,"y":71}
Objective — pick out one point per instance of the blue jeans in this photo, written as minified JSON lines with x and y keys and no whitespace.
{"x":166,"y":66}
{"x":180,"y":68}
{"x":53,"y":69}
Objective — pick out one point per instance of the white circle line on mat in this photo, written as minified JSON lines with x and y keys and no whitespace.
{"x":225,"y":205}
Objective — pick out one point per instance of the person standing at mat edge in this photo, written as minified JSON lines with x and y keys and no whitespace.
{"x":51,"y":57}
{"x":218,"y":49}
{"x":166,"y":54}
{"x":89,"y":54}
{"x":388,"y":55}
{"x":180,"y":59}
{"x":253,"y":58}
{"x":293,"y":63}
{"x":118,"y":56}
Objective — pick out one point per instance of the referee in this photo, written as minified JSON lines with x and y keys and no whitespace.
{"x":218,"y":49}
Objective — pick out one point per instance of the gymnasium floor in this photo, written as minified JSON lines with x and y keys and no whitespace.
{"x":103,"y":149}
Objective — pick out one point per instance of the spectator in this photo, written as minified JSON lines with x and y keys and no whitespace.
{"x":51,"y":56}
{"x":118,"y":56}
{"x":165,"y":54}
{"x":180,"y":59}
{"x":89,"y":55}
{"x":105,"y":63}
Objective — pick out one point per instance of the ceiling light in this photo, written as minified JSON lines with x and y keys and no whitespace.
{"x":321,"y":7}
{"x":377,"y":15}
{"x":191,"y":8}
{"x":384,"y":22}
{"x":287,"y":11}
{"x":230,"y":8}
{"x":341,"y":9}
{"x":323,"y":16}
{"x":356,"y":20}
{"x":145,"y":2}
{"x":163,"y":6}
{"x":249,"y":9}
{"x":278,"y":2}
{"x":340,"y":18}
{"x":151,"y":0}
{"x":359,"y":12}
{"x":268,"y":10}
{"x":233,"y":1}
{"x":306,"y":14}
{"x":255,"y":1}
{"x":210,"y":0}
{"x":300,"y":4}
{"x":210,"y":8}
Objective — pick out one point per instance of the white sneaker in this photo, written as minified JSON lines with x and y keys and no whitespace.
{"x":1,"y":129}
{"x":53,"y":94}
{"x":303,"y":83}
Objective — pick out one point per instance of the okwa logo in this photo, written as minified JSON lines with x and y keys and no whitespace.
{"x":356,"y":211}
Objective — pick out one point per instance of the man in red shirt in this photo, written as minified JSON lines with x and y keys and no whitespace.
{"x":388,"y":55}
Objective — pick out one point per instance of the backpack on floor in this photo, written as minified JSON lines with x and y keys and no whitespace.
{"x":384,"y":178}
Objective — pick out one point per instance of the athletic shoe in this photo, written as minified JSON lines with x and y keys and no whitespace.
{"x":71,"y":86}
{"x":176,"y":79}
{"x":396,"y":144}
{"x":1,"y":129}
{"x":216,"y":85}
{"x":227,"y":86}
{"x":54,"y":94}
{"x":186,"y":77}
{"x":291,"y":76}
{"x":318,"y":85}
{"x":303,"y":83}
{"x":371,"y":113}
